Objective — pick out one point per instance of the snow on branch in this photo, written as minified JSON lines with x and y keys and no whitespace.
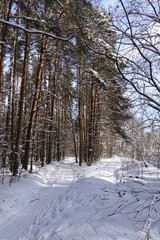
{"x":98,"y":77}
{"x":1,"y":42}
{"x":34,"y":31}
{"x":60,"y":3}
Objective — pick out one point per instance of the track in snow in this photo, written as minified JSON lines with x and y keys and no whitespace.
{"x":63,"y":201}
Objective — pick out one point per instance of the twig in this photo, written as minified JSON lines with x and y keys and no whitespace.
{"x":92,"y":198}
{"x":35,"y":200}
{"x":94,"y":228}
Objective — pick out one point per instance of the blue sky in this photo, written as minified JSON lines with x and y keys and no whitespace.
{"x":107,"y":2}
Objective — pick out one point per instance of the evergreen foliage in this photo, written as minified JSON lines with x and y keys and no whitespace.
{"x":60,"y":95}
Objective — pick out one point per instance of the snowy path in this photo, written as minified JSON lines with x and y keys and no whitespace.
{"x":66,"y":202}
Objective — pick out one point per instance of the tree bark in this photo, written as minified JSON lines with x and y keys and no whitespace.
{"x":73,"y":131}
{"x":51,"y":128}
{"x":80,"y":109}
{"x":34,"y":104}
{"x":4,"y":38}
{"x":3,"y":13}
{"x":22,"y":95}
{"x":14,"y":59}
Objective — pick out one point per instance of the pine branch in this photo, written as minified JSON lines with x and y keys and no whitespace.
{"x":35,"y":31}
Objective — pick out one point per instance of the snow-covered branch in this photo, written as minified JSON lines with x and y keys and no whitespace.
{"x":34,"y":31}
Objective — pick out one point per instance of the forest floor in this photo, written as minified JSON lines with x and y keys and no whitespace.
{"x":114,"y":199}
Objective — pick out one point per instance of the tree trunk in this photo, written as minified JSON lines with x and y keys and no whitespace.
{"x":73,"y":133}
{"x":14,"y":57}
{"x":90,"y":133}
{"x":34,"y":104}
{"x":80,"y":110}
{"x":22,"y":94}
{"x":46,"y":143}
{"x":2,"y":55}
{"x":4,"y":38}
{"x":33,"y":146}
{"x":3,"y":13}
{"x":44,"y":47}
{"x":53,"y":106}
{"x":58,"y":124}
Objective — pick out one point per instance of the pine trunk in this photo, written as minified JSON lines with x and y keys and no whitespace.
{"x":22,"y":95}
{"x":4,"y":39}
{"x":80,"y":110}
{"x":34,"y":104}
{"x":51,"y":128}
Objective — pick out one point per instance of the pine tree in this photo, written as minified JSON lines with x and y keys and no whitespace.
{"x":66,"y":91}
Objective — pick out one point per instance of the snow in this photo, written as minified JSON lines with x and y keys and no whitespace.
{"x":114,"y":199}
{"x":97,"y":76}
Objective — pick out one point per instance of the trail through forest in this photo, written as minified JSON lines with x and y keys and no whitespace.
{"x":115,"y":199}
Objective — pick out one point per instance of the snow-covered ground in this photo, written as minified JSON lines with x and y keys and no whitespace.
{"x":114,"y":199}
